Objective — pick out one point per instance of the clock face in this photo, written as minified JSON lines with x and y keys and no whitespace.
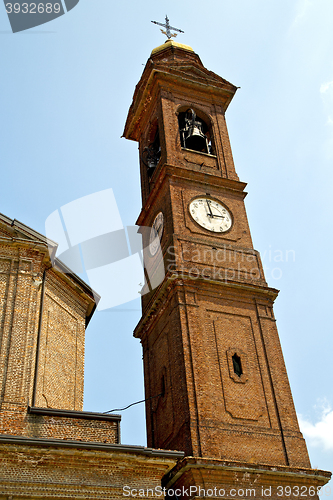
{"x":156,"y":233}
{"x":211,"y":215}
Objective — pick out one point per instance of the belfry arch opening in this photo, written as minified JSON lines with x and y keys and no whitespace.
{"x":195,"y":131}
{"x":151,"y":152}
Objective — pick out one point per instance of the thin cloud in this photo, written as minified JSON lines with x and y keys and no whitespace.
{"x":324,"y":87}
{"x":303,"y":8}
{"x":319,"y":434}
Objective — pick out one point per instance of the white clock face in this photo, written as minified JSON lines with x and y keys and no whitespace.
{"x":156,"y":233}
{"x":211,"y":215}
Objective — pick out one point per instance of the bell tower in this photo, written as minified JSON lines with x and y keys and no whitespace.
{"x":215,"y":378}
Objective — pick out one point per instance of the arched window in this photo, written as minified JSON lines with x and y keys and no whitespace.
{"x":195,"y":132}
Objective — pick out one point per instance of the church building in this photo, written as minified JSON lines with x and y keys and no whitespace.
{"x":219,"y":409}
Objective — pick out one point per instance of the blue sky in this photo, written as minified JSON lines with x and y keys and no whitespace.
{"x":65,"y":91}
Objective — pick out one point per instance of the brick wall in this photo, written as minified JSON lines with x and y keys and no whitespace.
{"x":43,"y":315}
{"x":214,"y":302}
{"x":36,"y":469}
{"x":61,"y":348}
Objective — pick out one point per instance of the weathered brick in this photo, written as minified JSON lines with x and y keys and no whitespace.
{"x":240,"y":425}
{"x":214,"y":303}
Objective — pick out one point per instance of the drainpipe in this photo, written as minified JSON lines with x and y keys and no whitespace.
{"x":38,"y":339}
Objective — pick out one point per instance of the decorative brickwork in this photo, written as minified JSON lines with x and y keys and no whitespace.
{"x":214,"y":303}
{"x":216,"y":384}
{"x":31,"y":469}
{"x":61,"y":355}
{"x":201,"y":477}
{"x":49,"y":447}
{"x":41,"y":357}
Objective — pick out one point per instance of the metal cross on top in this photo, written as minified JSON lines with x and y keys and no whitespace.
{"x":168,"y":28}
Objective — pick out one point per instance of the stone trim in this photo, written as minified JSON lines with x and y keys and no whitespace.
{"x":225,"y":466}
{"x":141,"y":450}
{"x":73,"y":414}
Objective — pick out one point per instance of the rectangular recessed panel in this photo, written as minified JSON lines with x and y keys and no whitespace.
{"x":60,"y":359}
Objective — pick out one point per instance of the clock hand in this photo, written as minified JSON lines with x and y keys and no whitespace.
{"x":210,"y":210}
{"x":218,"y":216}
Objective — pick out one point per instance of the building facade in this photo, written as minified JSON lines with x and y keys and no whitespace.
{"x":49,"y":447}
{"x":220,"y":414}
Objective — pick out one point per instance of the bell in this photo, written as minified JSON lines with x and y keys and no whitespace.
{"x":194,"y":137}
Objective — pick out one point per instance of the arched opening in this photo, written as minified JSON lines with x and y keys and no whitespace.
{"x":195,"y":132}
{"x":151,"y":153}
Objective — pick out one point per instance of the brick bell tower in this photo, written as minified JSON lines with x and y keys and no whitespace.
{"x":213,"y":364}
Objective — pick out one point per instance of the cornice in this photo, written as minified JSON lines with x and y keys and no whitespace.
{"x":172,"y":280}
{"x":191,"y":176}
{"x":220,"y":90}
{"x":115,"y":448}
{"x":226,"y":466}
{"x":25,"y":237}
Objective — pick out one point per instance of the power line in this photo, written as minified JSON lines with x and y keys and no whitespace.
{"x":132,"y":404}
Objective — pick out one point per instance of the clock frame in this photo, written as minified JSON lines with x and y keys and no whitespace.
{"x":211,"y":214}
